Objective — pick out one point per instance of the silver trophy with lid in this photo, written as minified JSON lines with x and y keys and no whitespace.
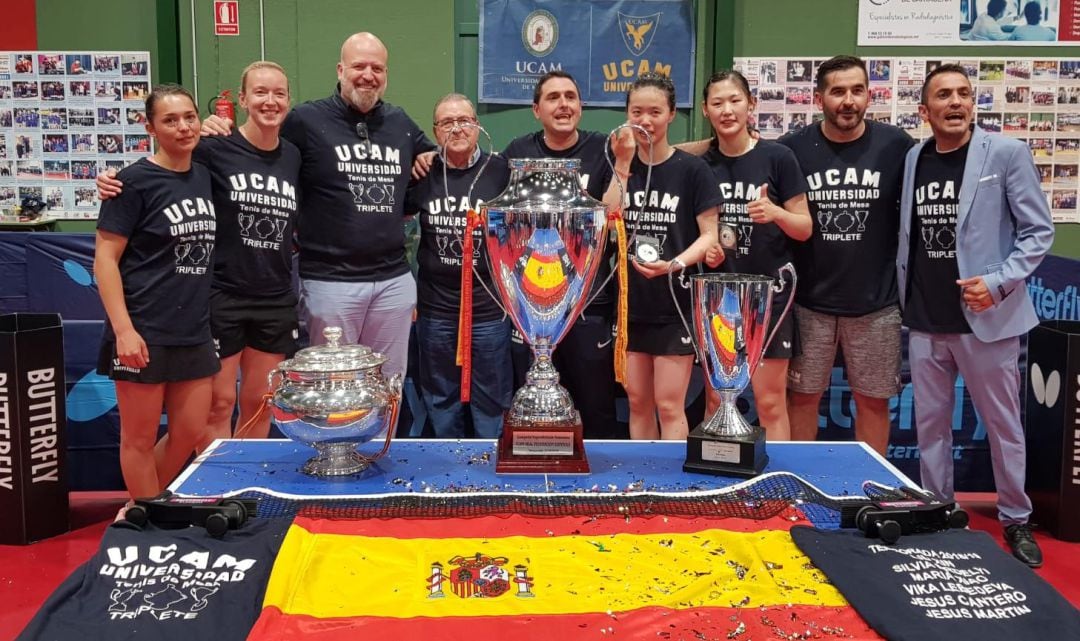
{"x":334,"y":398}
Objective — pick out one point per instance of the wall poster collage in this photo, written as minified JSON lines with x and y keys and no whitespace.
{"x":1036,"y":100}
{"x":63,"y":118}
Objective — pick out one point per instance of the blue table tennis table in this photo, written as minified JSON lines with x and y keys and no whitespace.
{"x":456,"y":466}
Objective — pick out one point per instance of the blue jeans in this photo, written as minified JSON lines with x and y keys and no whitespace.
{"x":440,"y":377}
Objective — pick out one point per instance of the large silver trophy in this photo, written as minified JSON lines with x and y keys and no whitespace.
{"x":730,"y":321}
{"x":333,"y":398}
{"x":545,"y":238}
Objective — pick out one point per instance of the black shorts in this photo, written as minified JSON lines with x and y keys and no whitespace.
{"x":668,"y":339}
{"x":786,"y":342}
{"x":266,"y":324}
{"x":168,"y":363}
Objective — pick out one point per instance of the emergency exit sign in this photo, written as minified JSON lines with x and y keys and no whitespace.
{"x":226,"y":18}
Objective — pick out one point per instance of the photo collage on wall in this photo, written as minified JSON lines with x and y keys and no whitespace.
{"x":1036,"y":100}
{"x":63,"y":118}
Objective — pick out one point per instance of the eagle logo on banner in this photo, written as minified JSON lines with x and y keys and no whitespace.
{"x":638,"y":31}
{"x":478,"y":576}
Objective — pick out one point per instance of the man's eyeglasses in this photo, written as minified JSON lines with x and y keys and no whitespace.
{"x":449,"y":124}
{"x":362,"y":133}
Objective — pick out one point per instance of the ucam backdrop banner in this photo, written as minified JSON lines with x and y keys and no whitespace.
{"x":960,"y":22}
{"x":604,"y":44}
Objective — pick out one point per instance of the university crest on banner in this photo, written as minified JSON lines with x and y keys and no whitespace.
{"x":638,"y":31}
{"x":540,"y":33}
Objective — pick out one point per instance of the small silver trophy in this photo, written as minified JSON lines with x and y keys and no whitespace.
{"x":730,"y":321}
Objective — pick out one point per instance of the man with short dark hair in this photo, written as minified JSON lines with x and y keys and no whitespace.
{"x":846,"y":295}
{"x":974,"y":225}
{"x":586,"y":355}
{"x":986,"y":26}
{"x":1033,"y":31}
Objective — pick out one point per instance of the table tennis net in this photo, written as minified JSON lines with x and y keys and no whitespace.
{"x":767,"y":496}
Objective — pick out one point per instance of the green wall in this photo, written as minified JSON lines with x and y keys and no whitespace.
{"x":305,"y":37}
{"x":112,"y":25}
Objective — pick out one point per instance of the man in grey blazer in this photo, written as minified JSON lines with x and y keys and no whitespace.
{"x":973,"y":225}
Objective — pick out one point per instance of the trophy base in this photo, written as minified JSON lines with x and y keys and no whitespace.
{"x":338,"y":459}
{"x":742,"y":456}
{"x":541,"y":448}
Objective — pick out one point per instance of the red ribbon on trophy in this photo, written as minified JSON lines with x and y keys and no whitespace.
{"x":465,"y":317}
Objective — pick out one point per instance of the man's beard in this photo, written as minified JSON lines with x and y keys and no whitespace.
{"x":363,"y":100}
{"x":836,"y":120}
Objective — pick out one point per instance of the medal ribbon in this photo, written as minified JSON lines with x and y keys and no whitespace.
{"x":622,"y":306}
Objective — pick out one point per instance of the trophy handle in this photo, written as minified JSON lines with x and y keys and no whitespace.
{"x":675,"y":299}
{"x":271,"y":387}
{"x":777,"y":288}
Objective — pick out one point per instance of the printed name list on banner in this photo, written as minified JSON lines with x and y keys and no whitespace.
{"x":63,"y":118}
{"x":604,"y":44}
{"x":1036,"y":100}
{"x":959,"y":22}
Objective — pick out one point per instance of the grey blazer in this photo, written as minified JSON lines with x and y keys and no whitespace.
{"x":1003,"y":230}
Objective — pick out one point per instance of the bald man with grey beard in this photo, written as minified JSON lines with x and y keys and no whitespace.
{"x":357,"y":151}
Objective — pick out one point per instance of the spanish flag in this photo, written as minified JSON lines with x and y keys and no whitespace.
{"x":512,"y":576}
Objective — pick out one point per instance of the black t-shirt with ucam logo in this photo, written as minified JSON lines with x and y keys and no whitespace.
{"x":255,"y":192}
{"x":350,"y":227}
{"x":681,"y":188}
{"x":933,"y":299}
{"x":595,"y":174}
{"x":762,"y":248}
{"x":169,"y":221}
{"x":848,"y":266}
{"x":442,"y":228}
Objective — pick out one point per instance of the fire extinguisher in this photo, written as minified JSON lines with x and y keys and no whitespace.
{"x":222,"y":106}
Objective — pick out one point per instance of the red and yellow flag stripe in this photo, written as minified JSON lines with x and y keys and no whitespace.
{"x":579,"y":576}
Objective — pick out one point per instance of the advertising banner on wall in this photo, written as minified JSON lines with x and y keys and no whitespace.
{"x":976,"y":22}
{"x":1036,"y":100}
{"x":604,"y":44}
{"x":65,"y":116}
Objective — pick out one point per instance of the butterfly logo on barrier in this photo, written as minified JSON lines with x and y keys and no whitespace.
{"x":1046,"y":390}
{"x":78,"y":273}
{"x":91,"y":396}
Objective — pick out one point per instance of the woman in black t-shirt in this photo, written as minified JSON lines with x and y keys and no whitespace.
{"x":753,"y":176}
{"x":678,"y":214}
{"x":153,"y":263}
{"x":254,"y":176}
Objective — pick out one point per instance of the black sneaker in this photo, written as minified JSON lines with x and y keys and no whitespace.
{"x":1023,"y":545}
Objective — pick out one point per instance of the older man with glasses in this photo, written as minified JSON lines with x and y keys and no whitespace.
{"x":357,"y":152}
{"x":457,"y":183}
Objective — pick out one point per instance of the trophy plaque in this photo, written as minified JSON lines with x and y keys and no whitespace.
{"x":730,"y":321}
{"x":545,"y":238}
